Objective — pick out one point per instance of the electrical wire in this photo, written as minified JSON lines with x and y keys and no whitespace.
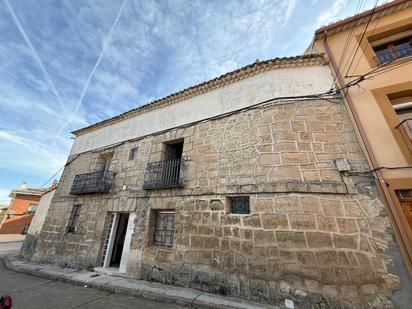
{"x":349,"y":37}
{"x":362,"y":36}
{"x":352,"y":51}
{"x":328,"y":95}
{"x":348,"y":40}
{"x":378,"y":169}
{"x":60,"y":169}
{"x":366,"y":41}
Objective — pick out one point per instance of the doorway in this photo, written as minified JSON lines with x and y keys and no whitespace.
{"x":116,"y":248}
{"x":119,"y":237}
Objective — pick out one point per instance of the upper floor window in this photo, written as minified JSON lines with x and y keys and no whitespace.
{"x":74,"y":219}
{"x":394,"y":45}
{"x":402,"y":104}
{"x":32,"y":208}
{"x":133,"y":154}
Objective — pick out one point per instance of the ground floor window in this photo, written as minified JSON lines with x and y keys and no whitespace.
{"x":405,"y":199}
{"x":164,"y":229}
{"x":74,"y":219}
{"x":239,"y":205}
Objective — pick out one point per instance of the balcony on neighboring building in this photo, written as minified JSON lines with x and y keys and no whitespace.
{"x":163,"y":174}
{"x":97,"y":182}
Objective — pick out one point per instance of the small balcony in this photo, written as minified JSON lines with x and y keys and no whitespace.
{"x":97,"y":182}
{"x":163,"y":174}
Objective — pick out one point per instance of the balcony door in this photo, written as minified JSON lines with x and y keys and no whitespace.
{"x":174,"y":151}
{"x":171,"y":168}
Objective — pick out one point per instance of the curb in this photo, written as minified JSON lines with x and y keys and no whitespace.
{"x":138,"y":288}
{"x":11,"y":242}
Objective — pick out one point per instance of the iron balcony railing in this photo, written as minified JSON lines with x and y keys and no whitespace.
{"x":97,"y":182}
{"x":163,"y":174}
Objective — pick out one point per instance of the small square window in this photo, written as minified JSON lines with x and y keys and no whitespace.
{"x":164,"y":230}
{"x":239,"y":205}
{"x":133,"y":154}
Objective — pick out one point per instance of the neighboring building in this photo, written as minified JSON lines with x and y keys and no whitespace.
{"x":21,"y":210}
{"x":3,"y":212}
{"x":377,"y":45}
{"x":37,"y":222}
{"x":238,"y":186}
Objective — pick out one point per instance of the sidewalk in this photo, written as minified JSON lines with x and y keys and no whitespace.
{"x":149,"y":290}
{"x":6,"y":238}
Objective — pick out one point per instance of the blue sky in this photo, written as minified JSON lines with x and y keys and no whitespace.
{"x":70,"y":63}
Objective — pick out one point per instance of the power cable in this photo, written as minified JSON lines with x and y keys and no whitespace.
{"x":348,"y":39}
{"x":328,"y":95}
{"x":366,"y":42}
{"x":351,"y":53}
{"x":362,"y":36}
{"x":60,"y":169}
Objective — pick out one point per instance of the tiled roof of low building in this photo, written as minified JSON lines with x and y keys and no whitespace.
{"x":223,"y":80}
{"x":363,"y":18}
{"x":29,"y":191}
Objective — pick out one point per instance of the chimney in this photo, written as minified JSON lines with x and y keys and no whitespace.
{"x":54,"y":184}
{"x":23,"y":185}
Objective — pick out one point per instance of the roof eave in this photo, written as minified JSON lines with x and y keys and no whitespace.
{"x":334,"y":26}
{"x":207,"y":86}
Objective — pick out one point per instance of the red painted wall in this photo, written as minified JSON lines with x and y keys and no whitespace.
{"x":19,"y":218}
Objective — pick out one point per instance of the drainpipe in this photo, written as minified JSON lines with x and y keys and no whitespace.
{"x":382,"y":185}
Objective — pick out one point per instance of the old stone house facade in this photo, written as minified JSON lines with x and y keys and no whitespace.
{"x":245,"y":185}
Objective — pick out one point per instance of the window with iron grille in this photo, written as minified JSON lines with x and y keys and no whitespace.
{"x":74,"y":219}
{"x":394,"y":50}
{"x":392,"y":45}
{"x":164,"y":229}
{"x":239,"y":205}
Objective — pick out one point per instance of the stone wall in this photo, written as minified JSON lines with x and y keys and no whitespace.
{"x":313,"y":233}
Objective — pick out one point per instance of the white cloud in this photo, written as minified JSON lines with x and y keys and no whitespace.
{"x":330,"y":14}
{"x":156,"y":48}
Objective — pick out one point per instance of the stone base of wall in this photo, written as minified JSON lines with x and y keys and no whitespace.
{"x":306,"y":293}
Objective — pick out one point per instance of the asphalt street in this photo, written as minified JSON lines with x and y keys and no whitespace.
{"x":29,"y":292}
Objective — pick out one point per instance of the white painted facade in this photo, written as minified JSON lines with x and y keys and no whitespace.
{"x":40,"y":215}
{"x":284,"y":82}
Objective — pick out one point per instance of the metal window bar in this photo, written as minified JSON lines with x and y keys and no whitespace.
{"x":97,"y":182}
{"x":165,"y":222}
{"x":163,"y":174}
{"x":240,"y":205}
{"x":407,"y":124}
{"x":388,"y":56}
